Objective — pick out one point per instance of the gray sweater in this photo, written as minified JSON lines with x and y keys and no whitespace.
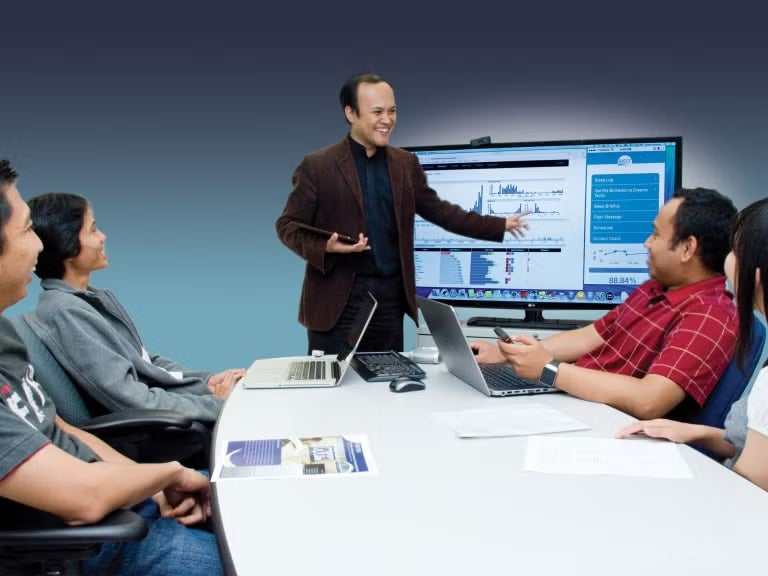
{"x":96,"y":342}
{"x":736,"y":427}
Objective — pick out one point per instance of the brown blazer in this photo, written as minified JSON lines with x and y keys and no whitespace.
{"x":327,"y":194}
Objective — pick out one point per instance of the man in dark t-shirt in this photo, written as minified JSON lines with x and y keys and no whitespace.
{"x":47,"y":464}
{"x":27,"y":414}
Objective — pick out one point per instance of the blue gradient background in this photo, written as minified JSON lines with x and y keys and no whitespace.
{"x":182,"y":123}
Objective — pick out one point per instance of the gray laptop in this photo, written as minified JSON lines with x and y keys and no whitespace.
{"x":308,"y":371}
{"x":490,"y":379}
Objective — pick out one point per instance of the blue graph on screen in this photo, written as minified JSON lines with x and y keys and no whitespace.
{"x":480,"y":266}
{"x":514,"y":190}
{"x":478,"y":205}
{"x":532,"y":207}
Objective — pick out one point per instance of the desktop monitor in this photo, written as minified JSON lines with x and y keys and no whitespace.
{"x":592,"y":204}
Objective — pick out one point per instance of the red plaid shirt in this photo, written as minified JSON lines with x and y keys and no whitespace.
{"x":687,"y":335}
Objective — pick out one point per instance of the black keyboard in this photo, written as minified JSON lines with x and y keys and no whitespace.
{"x":385,"y":366}
{"x":502,"y":377}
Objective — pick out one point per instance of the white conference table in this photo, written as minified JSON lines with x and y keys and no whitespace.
{"x":443,"y":505}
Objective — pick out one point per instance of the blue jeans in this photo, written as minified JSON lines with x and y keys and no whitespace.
{"x":169,"y":549}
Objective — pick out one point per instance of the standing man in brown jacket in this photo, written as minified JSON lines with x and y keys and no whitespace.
{"x":365,"y":188}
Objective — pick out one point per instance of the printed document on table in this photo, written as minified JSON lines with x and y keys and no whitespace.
{"x":511,"y":420}
{"x":296,"y":457}
{"x":630,"y":457}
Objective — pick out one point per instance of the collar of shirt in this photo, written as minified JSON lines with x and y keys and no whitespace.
{"x":658,"y":292}
{"x":58,"y":284}
{"x":359,"y":150}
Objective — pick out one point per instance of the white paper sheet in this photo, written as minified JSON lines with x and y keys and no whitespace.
{"x":517,"y":420}
{"x":630,"y":457}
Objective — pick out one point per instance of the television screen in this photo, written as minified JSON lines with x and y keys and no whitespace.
{"x":592,"y":204}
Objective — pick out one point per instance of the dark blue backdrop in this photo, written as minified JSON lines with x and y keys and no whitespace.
{"x":182,"y":124}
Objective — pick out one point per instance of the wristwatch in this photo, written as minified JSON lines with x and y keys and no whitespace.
{"x":549,"y":373}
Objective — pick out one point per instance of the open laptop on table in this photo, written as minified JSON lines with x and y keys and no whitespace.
{"x":490,"y":379}
{"x":308,"y":371}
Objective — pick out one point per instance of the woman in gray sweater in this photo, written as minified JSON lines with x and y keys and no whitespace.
{"x":92,"y":335}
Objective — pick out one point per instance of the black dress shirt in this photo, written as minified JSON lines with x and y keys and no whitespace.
{"x":384,"y":257}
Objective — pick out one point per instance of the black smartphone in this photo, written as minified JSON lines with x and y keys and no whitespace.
{"x":326,"y":233}
{"x":503,"y":336}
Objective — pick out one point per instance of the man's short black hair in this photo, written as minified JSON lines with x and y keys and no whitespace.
{"x":348,"y":94}
{"x":708,"y":216}
{"x":8,"y":176}
{"x":57,"y":219}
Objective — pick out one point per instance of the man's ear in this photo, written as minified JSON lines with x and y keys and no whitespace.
{"x":349,"y":114}
{"x":690,"y":246}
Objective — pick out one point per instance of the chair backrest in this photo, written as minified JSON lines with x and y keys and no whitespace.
{"x":138,"y":436}
{"x":51,"y":376}
{"x":734,"y":382}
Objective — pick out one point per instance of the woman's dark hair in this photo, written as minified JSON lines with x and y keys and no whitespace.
{"x":57,"y":219}
{"x":750,"y":247}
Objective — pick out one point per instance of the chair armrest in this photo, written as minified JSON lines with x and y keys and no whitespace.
{"x":39,"y":529}
{"x":155,"y":436}
{"x":137,"y":420}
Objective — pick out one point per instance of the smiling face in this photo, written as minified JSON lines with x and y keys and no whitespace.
{"x":376,"y":116}
{"x":20,"y":249}
{"x":92,"y":256}
{"x":664,"y":259}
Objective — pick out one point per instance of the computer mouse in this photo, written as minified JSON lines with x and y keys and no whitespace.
{"x":406,"y":384}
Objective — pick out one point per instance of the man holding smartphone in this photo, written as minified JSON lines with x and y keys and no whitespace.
{"x":662,"y":351}
{"x":366,"y":189}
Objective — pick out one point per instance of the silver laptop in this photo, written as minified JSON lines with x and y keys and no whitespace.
{"x":490,"y":379}
{"x":308,"y":371}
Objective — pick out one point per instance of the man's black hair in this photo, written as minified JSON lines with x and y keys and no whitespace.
{"x":708,"y":216}
{"x":348,"y":94}
{"x":8,"y":176}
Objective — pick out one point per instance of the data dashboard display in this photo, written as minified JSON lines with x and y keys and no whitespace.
{"x":590,"y":204}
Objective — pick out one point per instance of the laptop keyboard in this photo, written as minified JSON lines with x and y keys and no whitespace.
{"x":385,"y":366}
{"x":501,"y":377}
{"x":307,"y":370}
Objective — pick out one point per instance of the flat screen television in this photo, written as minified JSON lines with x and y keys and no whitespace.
{"x":592,"y":204}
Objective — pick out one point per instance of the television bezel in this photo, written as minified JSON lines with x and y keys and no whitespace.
{"x":534,"y":309}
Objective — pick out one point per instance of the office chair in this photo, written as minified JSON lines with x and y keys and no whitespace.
{"x":33,"y":542}
{"x":734,"y":382}
{"x":142,"y":435}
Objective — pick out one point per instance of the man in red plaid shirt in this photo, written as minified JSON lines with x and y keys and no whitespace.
{"x":662,"y":351}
